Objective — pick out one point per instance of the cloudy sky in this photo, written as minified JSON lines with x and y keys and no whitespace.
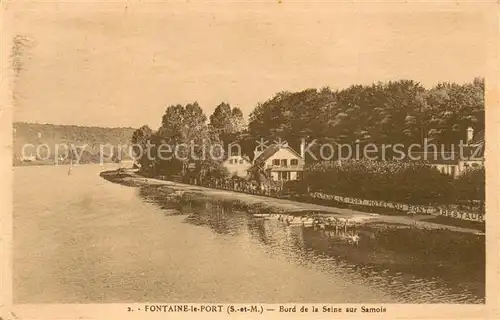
{"x":122,"y":64}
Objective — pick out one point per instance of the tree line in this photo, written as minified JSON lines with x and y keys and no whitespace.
{"x":396,"y":112}
{"x":56,"y":136}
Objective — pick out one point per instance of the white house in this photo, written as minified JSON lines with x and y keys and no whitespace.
{"x":456,"y":162}
{"x":280,"y":163}
{"x":237,"y":165}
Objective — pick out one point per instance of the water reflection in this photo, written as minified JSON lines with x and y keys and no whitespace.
{"x":218,"y":217}
{"x":416,"y":266}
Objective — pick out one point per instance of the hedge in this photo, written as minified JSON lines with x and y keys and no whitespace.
{"x":397,"y":181}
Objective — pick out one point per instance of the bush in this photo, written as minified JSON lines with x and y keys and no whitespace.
{"x":398,"y":181}
{"x":470,"y":186}
{"x":294,"y":187}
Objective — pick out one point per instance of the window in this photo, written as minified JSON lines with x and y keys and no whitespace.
{"x":294,"y":162}
{"x":284,"y":175}
{"x":276,"y":162}
{"x":299,"y":175}
{"x":284,"y":162}
{"x":241,"y":161}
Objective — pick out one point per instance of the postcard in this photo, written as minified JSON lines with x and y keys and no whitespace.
{"x":244,"y":159}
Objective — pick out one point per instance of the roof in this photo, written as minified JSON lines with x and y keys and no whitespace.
{"x":270,"y":151}
{"x":267,"y":153}
{"x":244,"y":157}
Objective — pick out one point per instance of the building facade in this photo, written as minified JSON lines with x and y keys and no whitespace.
{"x":237,"y":166}
{"x":280,"y":163}
{"x":461,"y":158}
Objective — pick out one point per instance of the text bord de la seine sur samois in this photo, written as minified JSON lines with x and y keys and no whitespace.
{"x":282,"y":309}
{"x":332,"y":309}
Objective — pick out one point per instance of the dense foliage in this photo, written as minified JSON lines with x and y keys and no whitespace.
{"x":400,"y":112}
{"x":58,"y":135}
{"x":394,"y":112}
{"x":191,"y":150}
{"x":398,"y":181}
{"x":471,"y":186}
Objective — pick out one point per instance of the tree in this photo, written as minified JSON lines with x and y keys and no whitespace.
{"x":140,"y":139}
{"x":227,"y":123}
{"x":172,"y":125}
{"x":290,"y":115}
{"x":452,"y":108}
{"x":237,"y":121}
{"x":220,"y":120}
{"x":185,"y":130}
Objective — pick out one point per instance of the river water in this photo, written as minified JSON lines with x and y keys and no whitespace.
{"x":81,"y":239}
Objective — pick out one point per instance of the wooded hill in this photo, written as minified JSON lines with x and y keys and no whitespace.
{"x":51,"y":135}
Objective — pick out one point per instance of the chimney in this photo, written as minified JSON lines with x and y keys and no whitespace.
{"x":302,"y":148}
{"x":257,"y":152}
{"x":470,"y":134}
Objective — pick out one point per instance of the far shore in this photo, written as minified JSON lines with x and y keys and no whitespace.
{"x":131,"y":177}
{"x":51,"y":162}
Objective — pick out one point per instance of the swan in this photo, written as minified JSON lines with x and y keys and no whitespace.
{"x":354,"y":239}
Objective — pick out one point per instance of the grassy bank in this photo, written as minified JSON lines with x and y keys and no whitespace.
{"x":150,"y":188}
{"x":447,"y":221}
{"x":270,"y":204}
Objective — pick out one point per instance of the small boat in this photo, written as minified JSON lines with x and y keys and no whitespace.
{"x":261,"y":215}
{"x":291,"y":220}
{"x":319,"y":224}
{"x":308,"y":222}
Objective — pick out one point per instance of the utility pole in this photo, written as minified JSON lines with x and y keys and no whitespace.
{"x":422,"y":124}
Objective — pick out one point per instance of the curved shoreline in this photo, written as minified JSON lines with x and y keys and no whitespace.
{"x":130,"y":177}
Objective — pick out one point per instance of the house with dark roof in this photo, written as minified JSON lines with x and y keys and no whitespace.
{"x":279,"y":162}
{"x":459,"y":159}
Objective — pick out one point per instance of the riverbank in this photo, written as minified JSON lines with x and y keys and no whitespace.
{"x":38,"y":163}
{"x":274,"y":205}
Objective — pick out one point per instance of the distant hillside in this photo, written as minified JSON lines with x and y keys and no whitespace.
{"x":90,"y":137}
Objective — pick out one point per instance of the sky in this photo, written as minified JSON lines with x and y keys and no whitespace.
{"x":119,"y":64}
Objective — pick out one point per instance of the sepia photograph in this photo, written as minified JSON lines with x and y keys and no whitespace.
{"x":236,"y":157}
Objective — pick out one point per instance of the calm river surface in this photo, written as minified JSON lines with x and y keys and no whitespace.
{"x":79,"y":238}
